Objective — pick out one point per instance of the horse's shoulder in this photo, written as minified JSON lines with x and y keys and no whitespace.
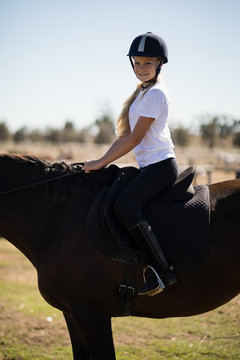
{"x":221,"y":193}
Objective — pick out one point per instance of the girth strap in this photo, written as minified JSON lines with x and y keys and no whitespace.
{"x":126,"y":291}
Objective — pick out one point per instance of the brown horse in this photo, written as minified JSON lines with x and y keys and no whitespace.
{"x":46,"y":221}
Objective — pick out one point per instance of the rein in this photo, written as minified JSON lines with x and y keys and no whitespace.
{"x":76,"y":165}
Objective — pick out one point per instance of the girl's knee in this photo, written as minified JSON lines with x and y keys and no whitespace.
{"x":126,"y":214}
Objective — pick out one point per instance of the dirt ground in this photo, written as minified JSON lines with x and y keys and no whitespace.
{"x":31,"y":330}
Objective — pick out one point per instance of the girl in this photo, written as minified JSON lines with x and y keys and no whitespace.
{"x":142,"y":126}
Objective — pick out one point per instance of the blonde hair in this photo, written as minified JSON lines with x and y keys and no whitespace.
{"x":123,"y":127}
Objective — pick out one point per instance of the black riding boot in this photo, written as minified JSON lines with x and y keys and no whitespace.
{"x":149,"y":246}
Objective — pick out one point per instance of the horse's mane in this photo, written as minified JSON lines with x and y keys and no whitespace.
{"x":22,"y":158}
{"x":32,"y":160}
{"x":65,"y":184}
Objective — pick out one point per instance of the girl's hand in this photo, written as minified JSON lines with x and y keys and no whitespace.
{"x":91,"y":165}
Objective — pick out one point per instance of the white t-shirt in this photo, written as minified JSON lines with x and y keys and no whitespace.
{"x":156,"y":144}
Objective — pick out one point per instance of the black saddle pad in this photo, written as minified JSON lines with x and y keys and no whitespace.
{"x":184,"y":239}
{"x":186,"y":230}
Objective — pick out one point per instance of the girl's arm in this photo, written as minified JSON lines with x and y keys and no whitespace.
{"x":116,"y":143}
{"x":121,"y":146}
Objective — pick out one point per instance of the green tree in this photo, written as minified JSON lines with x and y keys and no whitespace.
{"x":53,"y":135}
{"x":4,"y":132}
{"x":105,"y":129}
{"x":68,"y":132}
{"x":20,"y":135}
{"x":69,"y":126}
{"x":209,"y":132}
{"x":181,"y":136}
{"x":236,"y":139}
{"x":216,"y":128}
{"x":36,"y":135}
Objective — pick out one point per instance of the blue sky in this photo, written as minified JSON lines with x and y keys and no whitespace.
{"x":66,"y":60}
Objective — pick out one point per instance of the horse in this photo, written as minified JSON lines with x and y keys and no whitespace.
{"x":43,"y":212}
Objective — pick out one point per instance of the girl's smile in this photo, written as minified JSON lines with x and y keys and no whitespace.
{"x":145,"y":67}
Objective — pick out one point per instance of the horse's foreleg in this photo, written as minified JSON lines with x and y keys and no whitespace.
{"x":79,"y":346}
{"x":96,"y":327}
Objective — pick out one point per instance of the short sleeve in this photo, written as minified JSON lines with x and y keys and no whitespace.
{"x":153,"y":103}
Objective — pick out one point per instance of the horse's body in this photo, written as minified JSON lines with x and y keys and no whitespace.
{"x":83,"y":283}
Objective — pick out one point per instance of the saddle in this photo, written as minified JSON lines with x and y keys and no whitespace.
{"x":179,"y":216}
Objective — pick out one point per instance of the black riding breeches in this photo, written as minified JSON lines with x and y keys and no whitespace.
{"x":151,"y":180}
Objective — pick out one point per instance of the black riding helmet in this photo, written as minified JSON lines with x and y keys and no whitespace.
{"x":149,"y":45}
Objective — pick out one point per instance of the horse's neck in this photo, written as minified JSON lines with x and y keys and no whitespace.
{"x":23,"y":217}
{"x":31,"y":218}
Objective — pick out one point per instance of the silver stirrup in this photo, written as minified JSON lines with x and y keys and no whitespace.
{"x":160,"y":286}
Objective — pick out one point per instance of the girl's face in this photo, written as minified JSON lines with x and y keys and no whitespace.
{"x":145,"y":67}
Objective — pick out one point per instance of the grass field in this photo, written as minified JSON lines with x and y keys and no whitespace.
{"x":30,"y":329}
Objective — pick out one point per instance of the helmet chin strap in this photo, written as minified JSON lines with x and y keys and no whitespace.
{"x":130,"y":58}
